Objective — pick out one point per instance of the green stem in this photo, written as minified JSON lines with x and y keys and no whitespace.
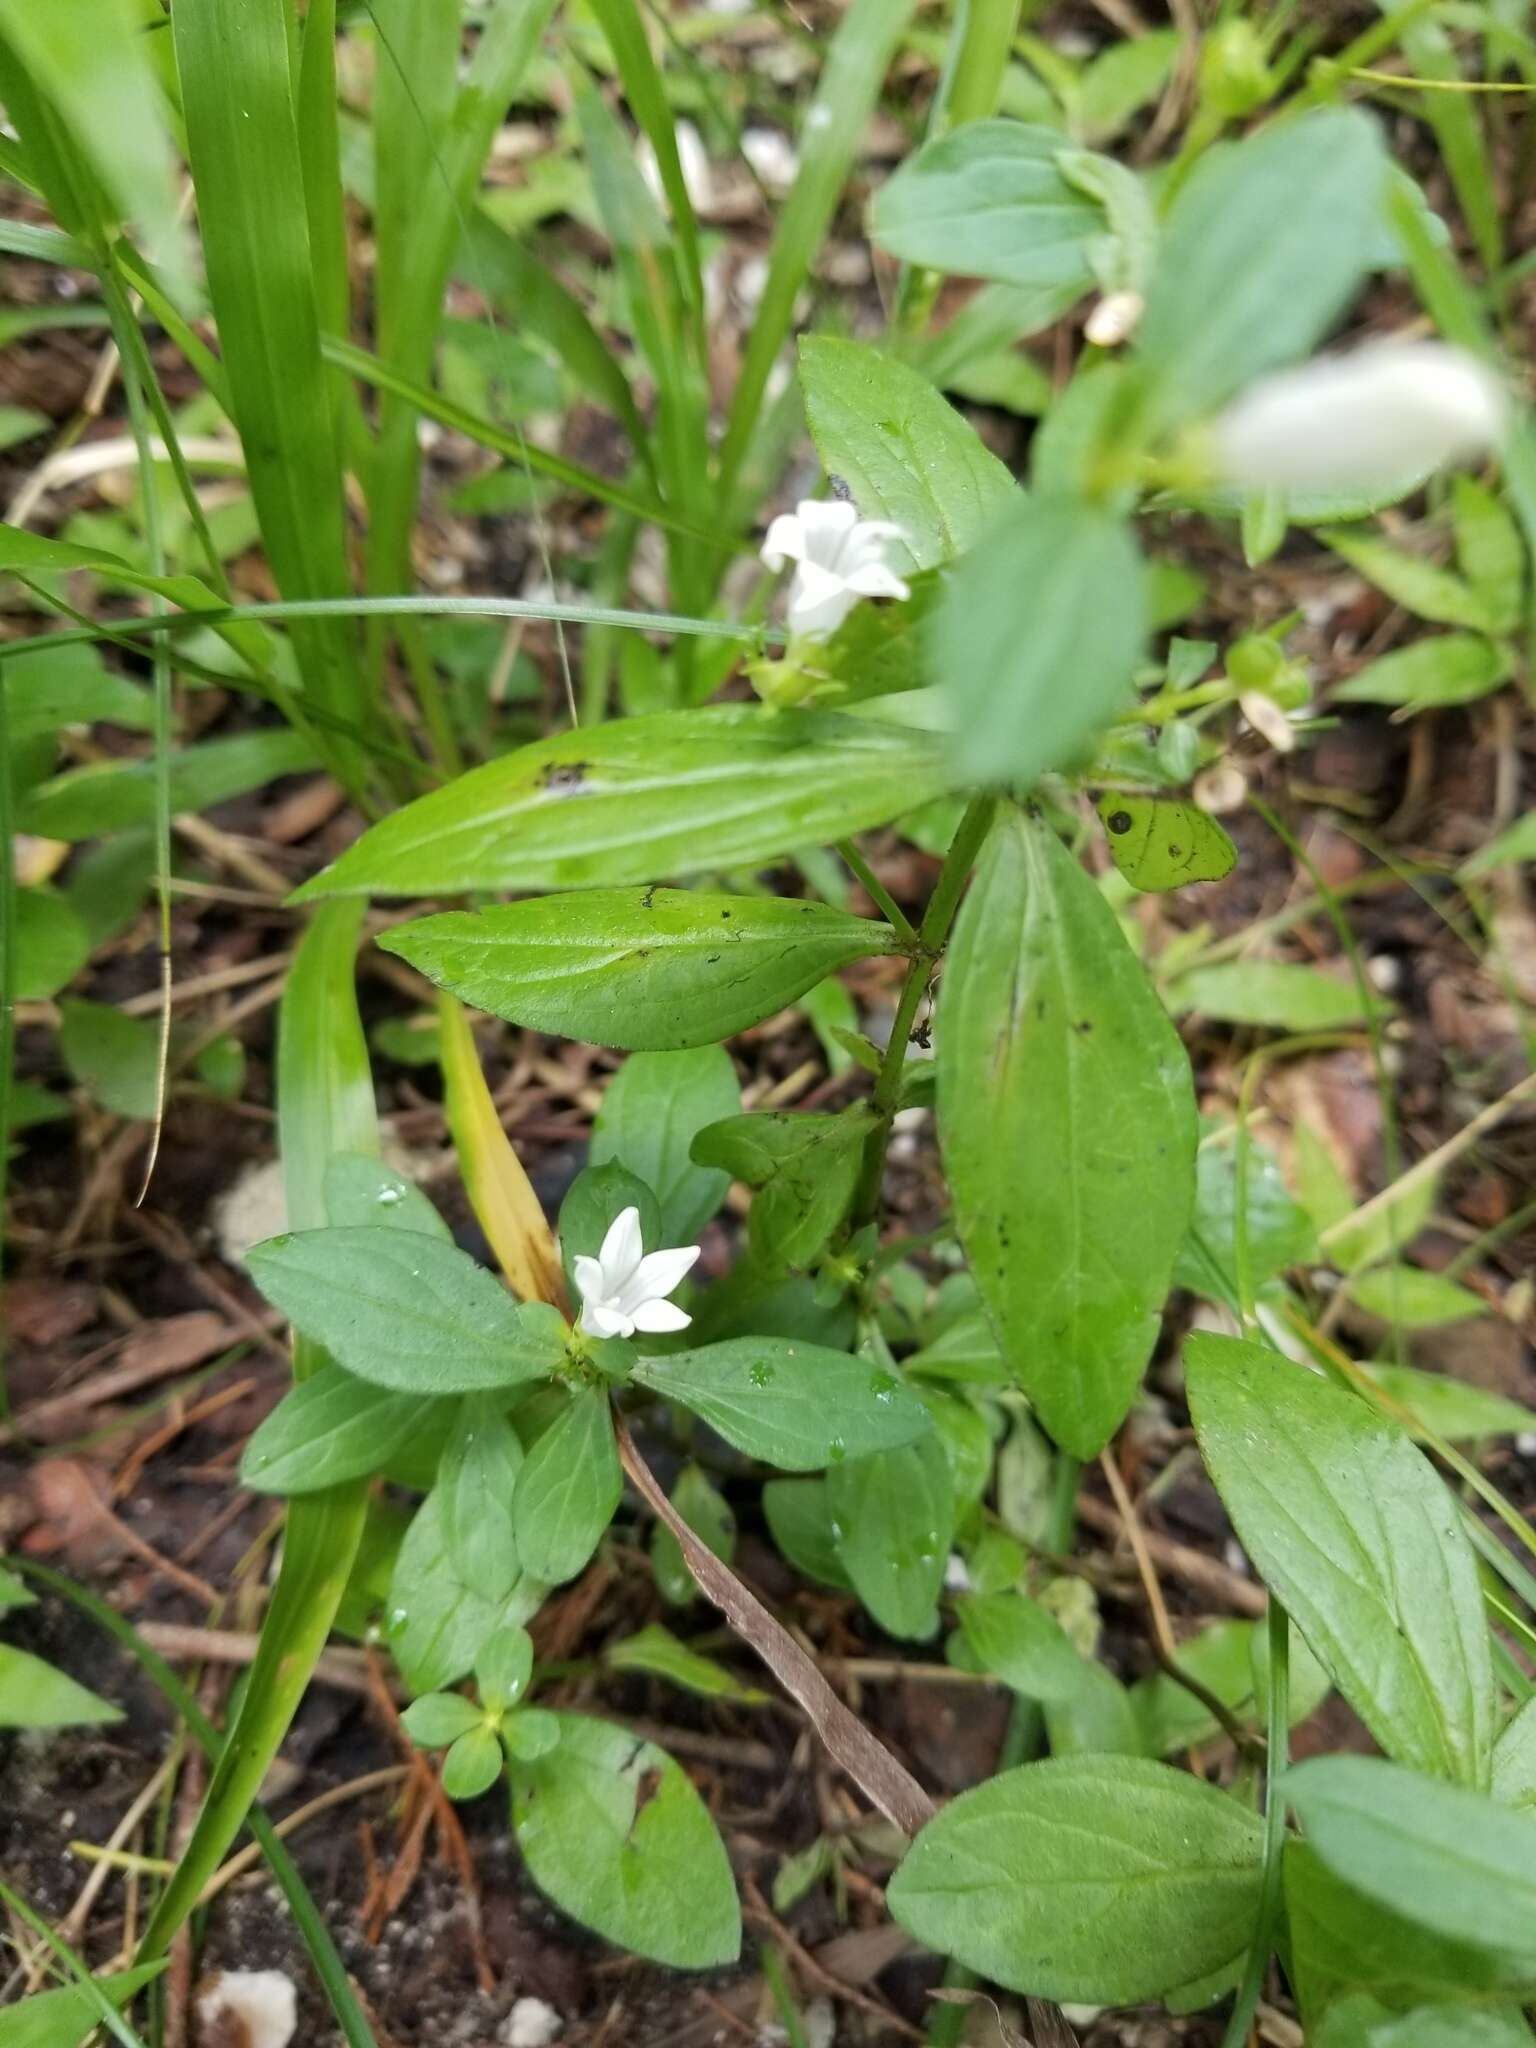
{"x":1276,"y":1761}
{"x":877,"y":893}
{"x":1025,"y":1734}
{"x":932,"y":933}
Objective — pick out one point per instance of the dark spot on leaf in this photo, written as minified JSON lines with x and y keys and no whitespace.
{"x":648,"y":900}
{"x":1083,"y":1024}
{"x":564,"y":778}
{"x":1174,"y":852}
{"x":1119,"y":821}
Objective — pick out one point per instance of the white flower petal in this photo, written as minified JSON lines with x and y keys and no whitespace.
{"x":783,"y":542}
{"x":603,"y":1319}
{"x":656,"y":1318}
{"x":876,"y":580}
{"x":826,"y":523}
{"x":622,"y":1249}
{"x":659,"y":1272}
{"x":819,"y":601}
{"x":1391,"y":410}
{"x":588,"y":1274}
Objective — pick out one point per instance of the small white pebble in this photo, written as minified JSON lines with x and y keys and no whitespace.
{"x":264,"y":2003}
{"x":956,"y":1578}
{"x":1525,"y":1443}
{"x":530,"y":2024}
{"x":1384,"y":971}
{"x":772,"y":155}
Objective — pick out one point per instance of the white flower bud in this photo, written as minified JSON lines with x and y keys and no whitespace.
{"x":1268,"y":720}
{"x":1114,"y":319}
{"x":1389,"y":410}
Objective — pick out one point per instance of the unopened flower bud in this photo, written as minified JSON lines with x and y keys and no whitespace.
{"x":1114,"y":319}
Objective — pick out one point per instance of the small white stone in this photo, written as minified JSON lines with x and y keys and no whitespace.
{"x":264,"y":2002}
{"x":530,"y":2024}
{"x":772,"y":155}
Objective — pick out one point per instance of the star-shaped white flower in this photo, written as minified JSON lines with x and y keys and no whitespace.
{"x":838,"y":559}
{"x":624,"y":1288}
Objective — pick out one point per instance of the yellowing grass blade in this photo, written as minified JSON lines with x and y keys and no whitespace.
{"x":509,"y":1211}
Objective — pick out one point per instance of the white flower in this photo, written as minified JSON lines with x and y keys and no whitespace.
{"x":1389,"y":411}
{"x":838,"y":559}
{"x":1114,"y":319}
{"x":624,"y":1288}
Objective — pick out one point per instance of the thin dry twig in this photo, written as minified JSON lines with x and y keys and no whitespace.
{"x":886,"y":1782}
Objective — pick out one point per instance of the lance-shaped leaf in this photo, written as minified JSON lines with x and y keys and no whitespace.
{"x":803,"y":1167}
{"x":1352,"y":1529}
{"x":1067,"y":1118}
{"x":406,"y":1311}
{"x":645,"y":798}
{"x":330,"y":1428}
{"x":648,"y":969}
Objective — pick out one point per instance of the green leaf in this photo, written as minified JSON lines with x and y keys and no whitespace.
{"x":1349,"y":1524}
{"x":438,"y":1718}
{"x":1414,"y":1298}
{"x":472,"y":1765}
{"x":66,"y":2017}
{"x":1409,"y":580}
{"x":569,"y":1487}
{"x":109,"y":883}
{"x":804,"y":1167}
{"x":653,"y":1109}
{"x":1447,"y":668}
{"x":478,"y":1481}
{"x":988,"y":200}
{"x":615,"y":1834}
{"x":362,"y":1190}
{"x":1449,"y":1408}
{"x":108,"y":795}
{"x":641,"y":799}
{"x":1277,"y":993}
{"x":799,"y":1517}
{"x":1342,"y":1941}
{"x":34,"y":1695}
{"x":59,"y":686}
{"x":1490,"y":551}
{"x":406,"y":1311}
{"x":893,"y":1518}
{"x":905,"y":455}
{"x":1279,"y":1234}
{"x":51,"y":944}
{"x":1123,"y":78}
{"x":795,"y":1405}
{"x":1514,"y":1759}
{"x":708,"y":1515}
{"x":504,"y":1667}
{"x":1387,"y":1230}
{"x":1067,"y":1120}
{"x":1307,"y":194}
{"x":1443,"y":1857}
{"x":657,"y":1650}
{"x":653,"y":969}
{"x":1159,"y":843}
{"x":1107,"y":1880}
{"x":1014,"y":1638}
{"x":437,"y":1624}
{"x":1098,"y":1720}
{"x":13,"y":1593}
{"x":595,"y":1197}
{"x":331,"y":1428}
{"x":114,"y":1057}
{"x":91,"y":63}
{"x":1055,"y":591}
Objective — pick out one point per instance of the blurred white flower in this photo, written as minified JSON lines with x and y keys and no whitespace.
{"x":624,"y":1288}
{"x":838,"y":559}
{"x":1389,"y":410}
{"x":1114,"y":319}
{"x":1268,"y":720}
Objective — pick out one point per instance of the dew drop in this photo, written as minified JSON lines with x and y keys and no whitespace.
{"x":760,"y":1375}
{"x":387,"y":1197}
{"x":882,"y":1386}
{"x":837,"y":1450}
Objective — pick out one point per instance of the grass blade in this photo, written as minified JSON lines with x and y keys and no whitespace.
{"x":830,"y":134}
{"x":233,"y":60}
{"x":325,"y":1104}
